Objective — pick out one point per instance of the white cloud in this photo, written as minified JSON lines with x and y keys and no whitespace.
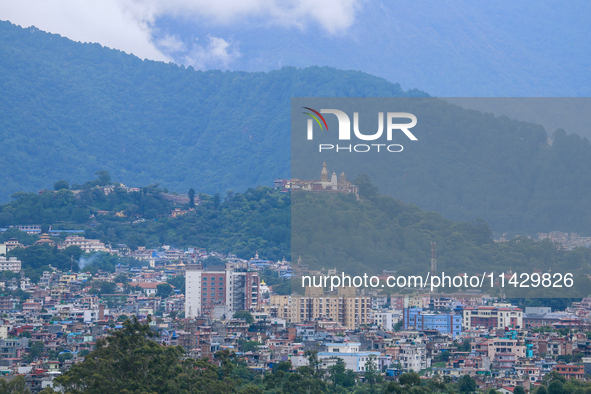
{"x":119,"y":24}
{"x":128,"y":25}
{"x":333,"y":15}
{"x":217,"y":53}
{"x":171,"y":44}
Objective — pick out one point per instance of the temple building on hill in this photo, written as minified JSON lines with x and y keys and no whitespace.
{"x":326,"y":183}
{"x":44,"y":239}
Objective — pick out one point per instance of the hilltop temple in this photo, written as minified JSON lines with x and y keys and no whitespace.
{"x":338,"y":184}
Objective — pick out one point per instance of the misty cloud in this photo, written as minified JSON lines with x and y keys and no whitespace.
{"x":215,"y":53}
{"x":333,"y":15}
{"x":119,"y":24}
{"x":129,"y":25}
{"x":171,"y":44}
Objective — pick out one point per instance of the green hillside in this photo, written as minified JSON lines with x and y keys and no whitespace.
{"x":239,"y":223}
{"x":326,"y":230}
{"x":381,"y":233}
{"x":69,"y":109}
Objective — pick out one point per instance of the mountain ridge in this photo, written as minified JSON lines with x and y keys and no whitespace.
{"x":69,"y":109}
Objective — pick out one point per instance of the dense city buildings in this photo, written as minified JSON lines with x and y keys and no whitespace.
{"x":207,"y":301}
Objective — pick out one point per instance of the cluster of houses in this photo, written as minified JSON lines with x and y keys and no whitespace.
{"x":448,"y":335}
{"x":564,"y":240}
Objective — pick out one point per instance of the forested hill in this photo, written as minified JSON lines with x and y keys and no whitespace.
{"x":69,"y":109}
{"x":326,"y":230}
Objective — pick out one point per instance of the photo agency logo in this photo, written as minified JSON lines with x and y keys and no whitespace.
{"x":344,"y":132}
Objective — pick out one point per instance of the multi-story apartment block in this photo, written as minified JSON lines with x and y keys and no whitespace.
{"x":11,"y":348}
{"x":413,"y":356}
{"x":87,"y":245}
{"x":6,"y":304}
{"x":278,"y":306}
{"x":347,"y":308}
{"x":445,"y":323}
{"x":385,"y":319}
{"x":504,"y":352}
{"x":349,"y":353}
{"x":533,"y":320}
{"x":29,"y":228}
{"x":398,"y":302}
{"x":174,"y":304}
{"x":492,"y":317}
{"x":205,"y":289}
{"x":569,"y":371}
{"x":10,"y":264}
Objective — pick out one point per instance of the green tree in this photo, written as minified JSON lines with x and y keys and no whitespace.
{"x":251,"y":390}
{"x":127,"y":361}
{"x":163,"y":290}
{"x":372,"y":373}
{"x":35,"y":350}
{"x":15,"y":386}
{"x":178,"y":282}
{"x":313,"y":361}
{"x":64,"y":356}
{"x":284,"y":366}
{"x":245,"y":315}
{"x":339,"y":375}
{"x":464,"y":346}
{"x":467,"y":384}
{"x":394,"y":387}
{"x":366,"y":188}
{"x":519,"y":390}
{"x":191,"y":198}
{"x":553,"y":376}
{"x":103,"y":287}
{"x":60,"y":185}
{"x":436,"y":384}
{"x":409,"y":379}
{"x":556,"y":387}
{"x":104,"y":178}
{"x":250,"y":346}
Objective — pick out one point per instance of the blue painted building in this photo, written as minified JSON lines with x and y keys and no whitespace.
{"x":445,"y":323}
